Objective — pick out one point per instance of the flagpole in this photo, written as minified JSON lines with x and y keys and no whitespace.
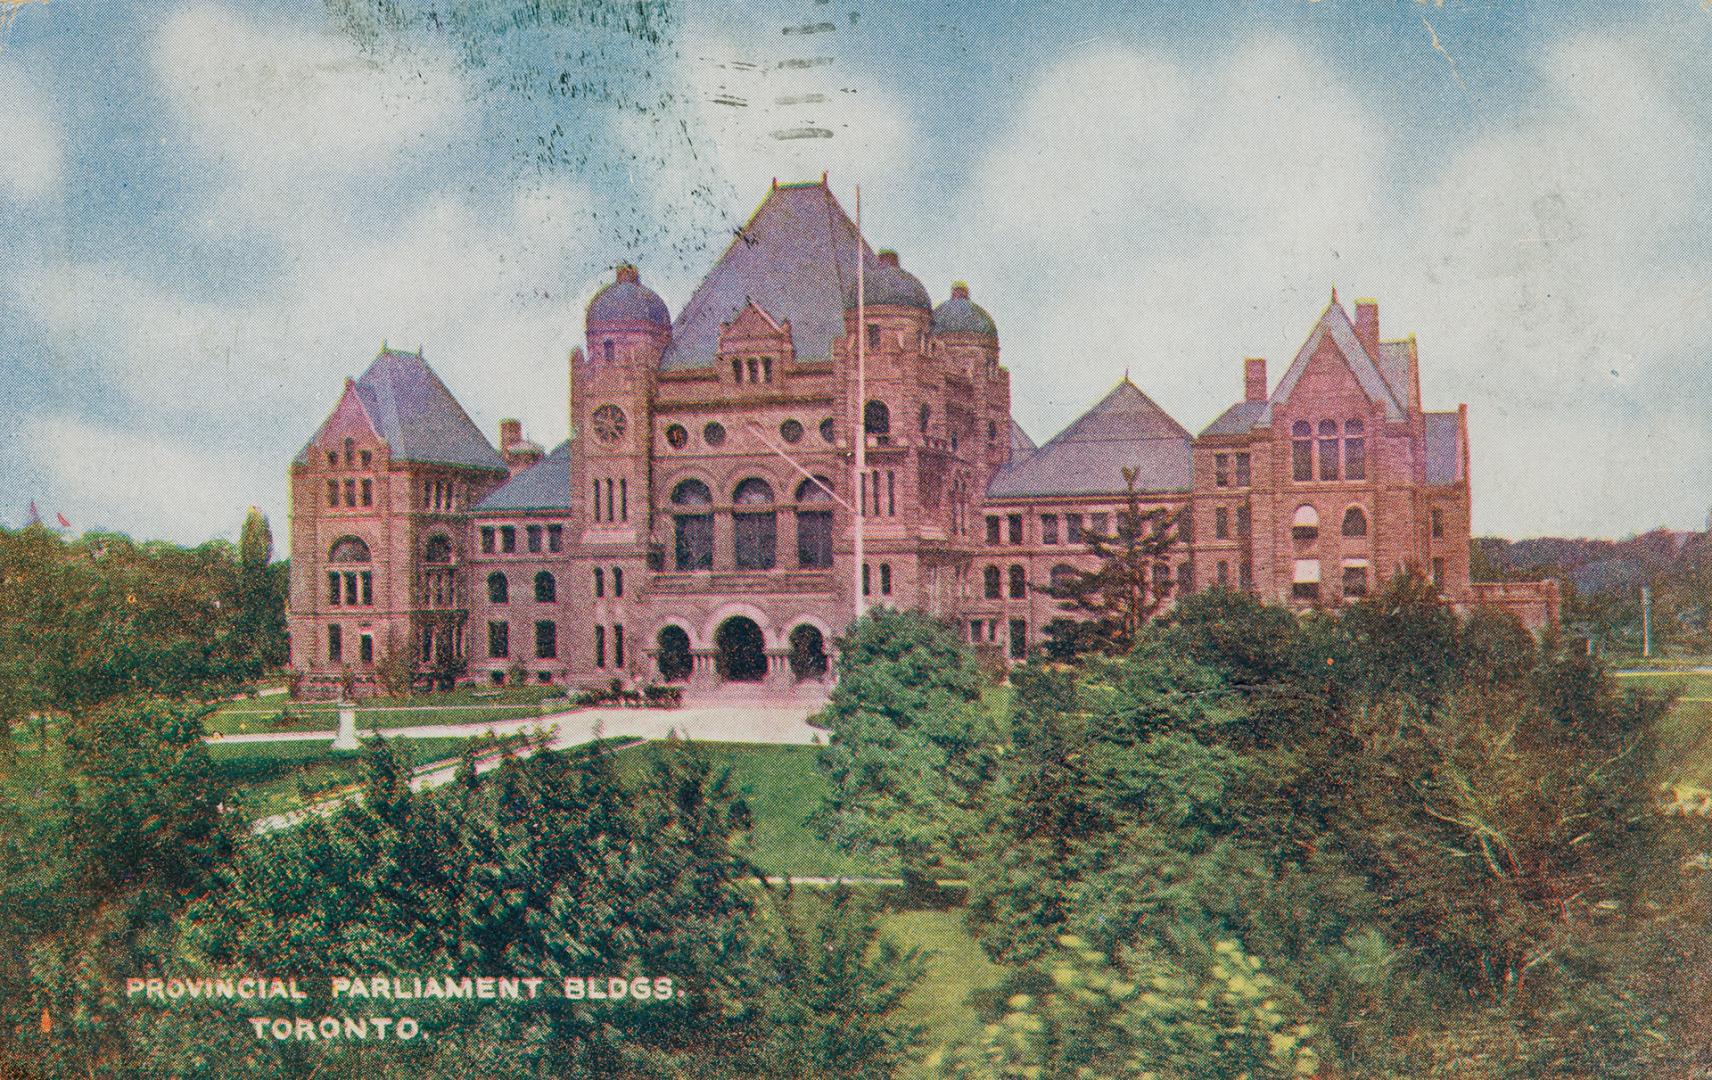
{"x":861,"y":430}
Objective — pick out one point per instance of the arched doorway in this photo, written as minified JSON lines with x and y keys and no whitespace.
{"x":742,"y":653}
{"x":673,"y":652}
{"x":808,"y":652}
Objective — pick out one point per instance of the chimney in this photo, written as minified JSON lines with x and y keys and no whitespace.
{"x":1254,"y":379}
{"x":510,"y":432}
{"x":1367,"y":326}
{"x":517,"y":451}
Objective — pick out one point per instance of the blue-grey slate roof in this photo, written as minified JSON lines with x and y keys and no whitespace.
{"x":1021,"y":444}
{"x":1444,"y":448}
{"x":1334,"y":321}
{"x":630,"y":302}
{"x":889,"y":284}
{"x":795,"y":258}
{"x":961,"y":315}
{"x":545,"y":485}
{"x":1394,"y":365}
{"x":1125,"y":430}
{"x":1239,"y":419}
{"x":418,"y":417}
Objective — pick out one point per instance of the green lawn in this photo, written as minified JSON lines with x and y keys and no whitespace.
{"x":466,"y":705}
{"x":270,"y":777}
{"x":781,"y":786}
{"x":958,"y":982}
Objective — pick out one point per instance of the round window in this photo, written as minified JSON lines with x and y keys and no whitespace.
{"x":677,"y":437}
{"x":714,"y":433}
{"x":828,"y":430}
{"x":609,"y":423}
{"x":791,"y":431}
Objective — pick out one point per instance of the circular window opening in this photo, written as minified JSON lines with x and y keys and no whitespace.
{"x":828,"y":430}
{"x":677,"y":437}
{"x":714,"y":433}
{"x":791,"y":431}
{"x":609,"y":423}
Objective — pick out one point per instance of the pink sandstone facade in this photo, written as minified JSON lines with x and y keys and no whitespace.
{"x":696,"y":527}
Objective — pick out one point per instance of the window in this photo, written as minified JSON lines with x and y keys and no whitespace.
{"x":617,"y":581}
{"x":1244,"y":474}
{"x":885,"y":579}
{"x":737,"y":370}
{"x":618,"y":639}
{"x":1099,"y":523}
{"x":365,"y":648}
{"x":366,"y":458}
{"x":1019,"y":639}
{"x":1355,"y":522}
{"x":498,"y":640}
{"x":1244,"y":521}
{"x":1049,"y":528}
{"x":926,"y":417}
{"x":1221,"y":523}
{"x":814,"y":524}
{"x":350,"y":452}
{"x":1306,"y":583}
{"x":754,"y":369}
{"x":1354,"y":451}
{"x":1185,"y":578}
{"x":600,"y":637}
{"x":1072,"y":528}
{"x":546,"y":640}
{"x":350,"y":493}
{"x":1245,"y":572}
{"x":1161,"y":579}
{"x":533,"y":533}
{"x":990,"y":583}
{"x":876,"y":418}
{"x":828,"y":431}
{"x":368,"y":492}
{"x":1013,"y":525}
{"x":975,"y":630}
{"x":693,"y":525}
{"x":992,"y":529}
{"x":1437,"y":518}
{"x":487,"y":539}
{"x":1328,"y":450}
{"x":498,"y":588}
{"x":333,"y":590}
{"x":873,"y":335}
{"x":507,"y":539}
{"x":1301,"y":451}
{"x":1018,"y":583}
{"x":332,"y":493}
{"x":714,"y":433}
{"x":606,"y":350}
{"x":599,"y":583}
{"x":438,"y":549}
{"x":368,"y":588}
{"x":1438,"y":570}
{"x":546,"y":588}
{"x":1221,"y":470}
{"x":1223,"y":574}
{"x":1355,"y":579}
{"x":677,"y":437}
{"x":755,"y":530}
{"x":348,"y":549}
{"x":332,"y":459}
{"x":335,"y":643}
{"x":867,"y":576}
{"x":555,"y":538}
{"x":791,"y":431}
{"x":1306,"y":524}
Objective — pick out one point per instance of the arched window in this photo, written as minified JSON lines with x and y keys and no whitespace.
{"x":808,"y":652}
{"x":606,"y":350}
{"x":693,"y":525}
{"x":498,"y":588}
{"x":348,"y":549}
{"x":618,"y":581}
{"x":876,"y":418}
{"x":1019,"y":583}
{"x":1305,"y":584}
{"x":1355,"y":522}
{"x":350,"y":452}
{"x":814,"y":524}
{"x":1328,"y":450}
{"x":756,"y":525}
{"x":990,"y":583}
{"x":926,"y":417}
{"x":1354,"y":451}
{"x":1306,"y":524}
{"x":672,"y":647}
{"x":599,"y":583}
{"x":1301,"y":451}
{"x":546,"y":588}
{"x":438,"y":549}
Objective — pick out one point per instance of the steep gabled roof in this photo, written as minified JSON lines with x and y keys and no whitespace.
{"x":1021,"y":445}
{"x":1239,"y":419}
{"x":795,"y":258}
{"x":418,"y":417}
{"x":1394,"y":357}
{"x":545,"y":485}
{"x":1444,"y":448}
{"x":1334,"y":321}
{"x":1124,"y":430}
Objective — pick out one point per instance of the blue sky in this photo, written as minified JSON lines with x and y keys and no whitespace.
{"x":211,"y":212}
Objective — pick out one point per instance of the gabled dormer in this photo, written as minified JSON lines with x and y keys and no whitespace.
{"x":754,"y":349}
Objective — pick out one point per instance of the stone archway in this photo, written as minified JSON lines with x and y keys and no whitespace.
{"x":808,"y":652}
{"x":742,"y":650}
{"x":673,"y":653}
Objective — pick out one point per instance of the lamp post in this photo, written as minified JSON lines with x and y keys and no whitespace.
{"x":859,"y":429}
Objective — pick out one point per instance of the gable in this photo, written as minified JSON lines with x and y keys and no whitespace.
{"x":753,"y":323}
{"x":1335,"y":333}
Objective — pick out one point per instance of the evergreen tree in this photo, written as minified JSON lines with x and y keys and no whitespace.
{"x":1125,"y":591}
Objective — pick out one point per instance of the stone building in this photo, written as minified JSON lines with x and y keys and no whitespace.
{"x":697,"y":525}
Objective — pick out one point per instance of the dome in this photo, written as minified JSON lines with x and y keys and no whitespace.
{"x":961,"y":315}
{"x":889,"y":284}
{"x":627,"y":300}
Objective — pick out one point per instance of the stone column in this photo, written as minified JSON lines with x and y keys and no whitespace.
{"x":702,"y":671}
{"x":778,"y":668}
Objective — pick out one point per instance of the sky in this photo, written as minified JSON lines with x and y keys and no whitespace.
{"x":212,"y":212}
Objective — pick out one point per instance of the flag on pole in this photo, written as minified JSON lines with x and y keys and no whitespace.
{"x":64,"y":524}
{"x":35,"y":515}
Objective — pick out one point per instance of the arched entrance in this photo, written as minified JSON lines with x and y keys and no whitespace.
{"x":673,"y":653}
{"x":808,"y":652}
{"x":742,"y":653}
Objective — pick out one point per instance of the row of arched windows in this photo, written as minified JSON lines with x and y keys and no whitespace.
{"x":499,"y":588}
{"x":1305,"y":525}
{"x":754,"y":525}
{"x":1338,"y":459}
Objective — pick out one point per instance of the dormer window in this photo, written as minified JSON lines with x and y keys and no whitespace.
{"x":350,"y":452}
{"x":607,"y":351}
{"x":873,"y":335}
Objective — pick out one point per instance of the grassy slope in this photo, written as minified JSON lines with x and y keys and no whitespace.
{"x":265,"y":714}
{"x":269,"y":776}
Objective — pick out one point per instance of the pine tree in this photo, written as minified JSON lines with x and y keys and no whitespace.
{"x":1122,"y":594}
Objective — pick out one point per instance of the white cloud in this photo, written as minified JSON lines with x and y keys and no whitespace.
{"x":34,"y":158}
{"x":1145,"y":214}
